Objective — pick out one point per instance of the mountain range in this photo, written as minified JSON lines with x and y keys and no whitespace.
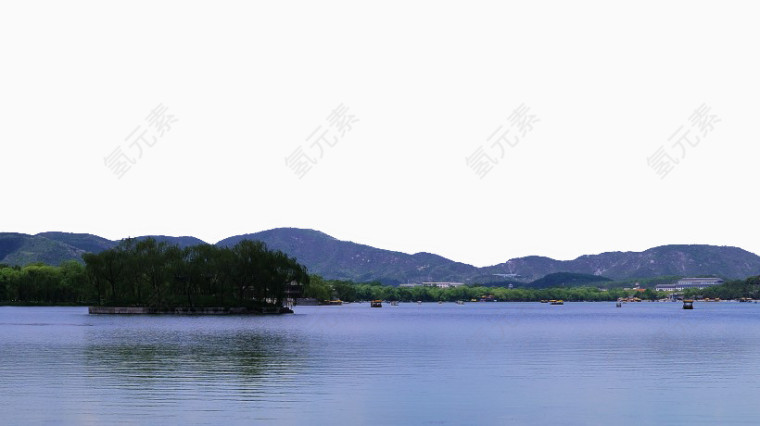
{"x":336,"y":259}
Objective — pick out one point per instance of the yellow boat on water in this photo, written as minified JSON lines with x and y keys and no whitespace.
{"x":331,"y":302}
{"x":557,"y":302}
{"x":376,"y":304}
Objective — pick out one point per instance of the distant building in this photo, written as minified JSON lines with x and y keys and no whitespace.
{"x":442,"y":284}
{"x":685,"y":283}
{"x":439,"y":284}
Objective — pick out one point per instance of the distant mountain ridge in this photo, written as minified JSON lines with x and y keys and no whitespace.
{"x":677,"y":259}
{"x":22,"y":249}
{"x":337,"y":259}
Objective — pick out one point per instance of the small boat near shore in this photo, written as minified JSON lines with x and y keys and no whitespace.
{"x":331,"y":302}
{"x":688,"y":304}
{"x":557,"y":302}
{"x":376,"y":304}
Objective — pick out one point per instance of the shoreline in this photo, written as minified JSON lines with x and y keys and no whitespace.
{"x":185,"y":310}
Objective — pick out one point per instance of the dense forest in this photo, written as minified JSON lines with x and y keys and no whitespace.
{"x":157,"y":274}
{"x":49,"y":285}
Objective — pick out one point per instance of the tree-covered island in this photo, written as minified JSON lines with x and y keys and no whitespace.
{"x":162,"y":277}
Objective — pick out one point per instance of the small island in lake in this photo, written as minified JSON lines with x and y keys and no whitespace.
{"x":150,"y":277}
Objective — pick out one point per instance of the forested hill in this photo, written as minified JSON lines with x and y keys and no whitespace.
{"x":669,"y":260}
{"x":54,"y":248}
{"x":22,"y":249}
{"x":337,"y":259}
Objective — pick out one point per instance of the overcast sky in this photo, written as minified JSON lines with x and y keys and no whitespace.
{"x":476,"y":130}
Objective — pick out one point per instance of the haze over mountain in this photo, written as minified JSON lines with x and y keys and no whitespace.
{"x":336,"y":259}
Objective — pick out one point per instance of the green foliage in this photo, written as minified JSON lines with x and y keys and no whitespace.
{"x":349,"y":291}
{"x":318,"y":288}
{"x":22,"y":249}
{"x":736,"y":289}
{"x":149,"y":273}
{"x":42,"y":284}
{"x":567,"y":279}
{"x":146,"y":272}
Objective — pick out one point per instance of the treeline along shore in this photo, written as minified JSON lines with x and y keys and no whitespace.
{"x":348,"y":291}
{"x":165,"y":278}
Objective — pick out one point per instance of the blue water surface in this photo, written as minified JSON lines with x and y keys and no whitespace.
{"x":478,"y":363}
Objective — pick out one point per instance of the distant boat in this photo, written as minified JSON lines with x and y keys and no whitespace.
{"x":460,"y":302}
{"x":419,"y":302}
{"x":331,"y":302}
{"x":557,"y":302}
{"x":376,"y":304}
{"x":688,"y":304}
{"x":394,"y":302}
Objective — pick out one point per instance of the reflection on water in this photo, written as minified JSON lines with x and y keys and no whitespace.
{"x":188,"y":356}
{"x":440,"y":364}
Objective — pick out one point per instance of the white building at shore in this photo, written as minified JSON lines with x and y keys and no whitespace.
{"x":684,"y":283}
{"x":439,"y":284}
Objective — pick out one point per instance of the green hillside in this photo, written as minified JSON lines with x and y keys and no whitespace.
{"x":568,"y":279}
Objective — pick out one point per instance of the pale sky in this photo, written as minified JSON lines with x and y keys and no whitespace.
{"x":602,"y":85}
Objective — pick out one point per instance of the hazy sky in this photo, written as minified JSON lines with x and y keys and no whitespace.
{"x":479,"y":131}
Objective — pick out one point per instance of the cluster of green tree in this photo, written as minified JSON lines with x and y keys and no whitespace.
{"x":348,"y":291}
{"x":736,"y":289}
{"x":38,"y":283}
{"x":568,"y":279}
{"x":161,"y":275}
{"x":157,"y":274}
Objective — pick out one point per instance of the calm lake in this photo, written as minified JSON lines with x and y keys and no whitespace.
{"x":478,"y":363}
